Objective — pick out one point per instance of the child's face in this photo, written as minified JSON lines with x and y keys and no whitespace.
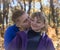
{"x":36,"y":24}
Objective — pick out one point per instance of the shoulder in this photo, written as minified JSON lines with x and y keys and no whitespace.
{"x":9,"y":31}
{"x":49,"y":43}
{"x":47,"y":39}
{"x":10,"y":28}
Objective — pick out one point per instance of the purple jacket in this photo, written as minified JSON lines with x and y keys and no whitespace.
{"x":20,"y":42}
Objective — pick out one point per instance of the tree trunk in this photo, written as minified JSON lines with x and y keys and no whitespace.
{"x":24,"y":5}
{"x":0,"y":17}
{"x":54,"y":17}
{"x":21,"y":6}
{"x":33,"y":5}
{"x":41,"y":6}
{"x":29,"y":6}
{"x":5,"y":13}
{"x":19,"y":1}
{"x":52,"y":11}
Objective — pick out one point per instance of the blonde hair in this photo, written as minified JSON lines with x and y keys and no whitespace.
{"x":42,"y":18}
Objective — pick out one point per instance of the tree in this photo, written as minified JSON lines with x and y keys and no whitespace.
{"x":0,"y":17}
{"x":40,"y":4}
{"x":29,"y":6}
{"x":5,"y":12}
{"x":24,"y":5}
{"x":54,"y":15}
{"x":19,"y":1}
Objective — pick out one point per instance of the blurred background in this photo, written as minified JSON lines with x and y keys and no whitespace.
{"x":51,"y":9}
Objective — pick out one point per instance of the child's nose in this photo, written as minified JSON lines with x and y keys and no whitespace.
{"x":35,"y":20}
{"x":34,"y":23}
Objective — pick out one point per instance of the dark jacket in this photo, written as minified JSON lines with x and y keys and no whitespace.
{"x":20,"y":42}
{"x":9,"y":34}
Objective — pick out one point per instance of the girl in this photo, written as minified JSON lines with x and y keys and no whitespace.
{"x":37,"y":37}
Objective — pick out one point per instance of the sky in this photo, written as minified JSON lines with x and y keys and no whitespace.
{"x":15,"y":4}
{"x":37,"y":5}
